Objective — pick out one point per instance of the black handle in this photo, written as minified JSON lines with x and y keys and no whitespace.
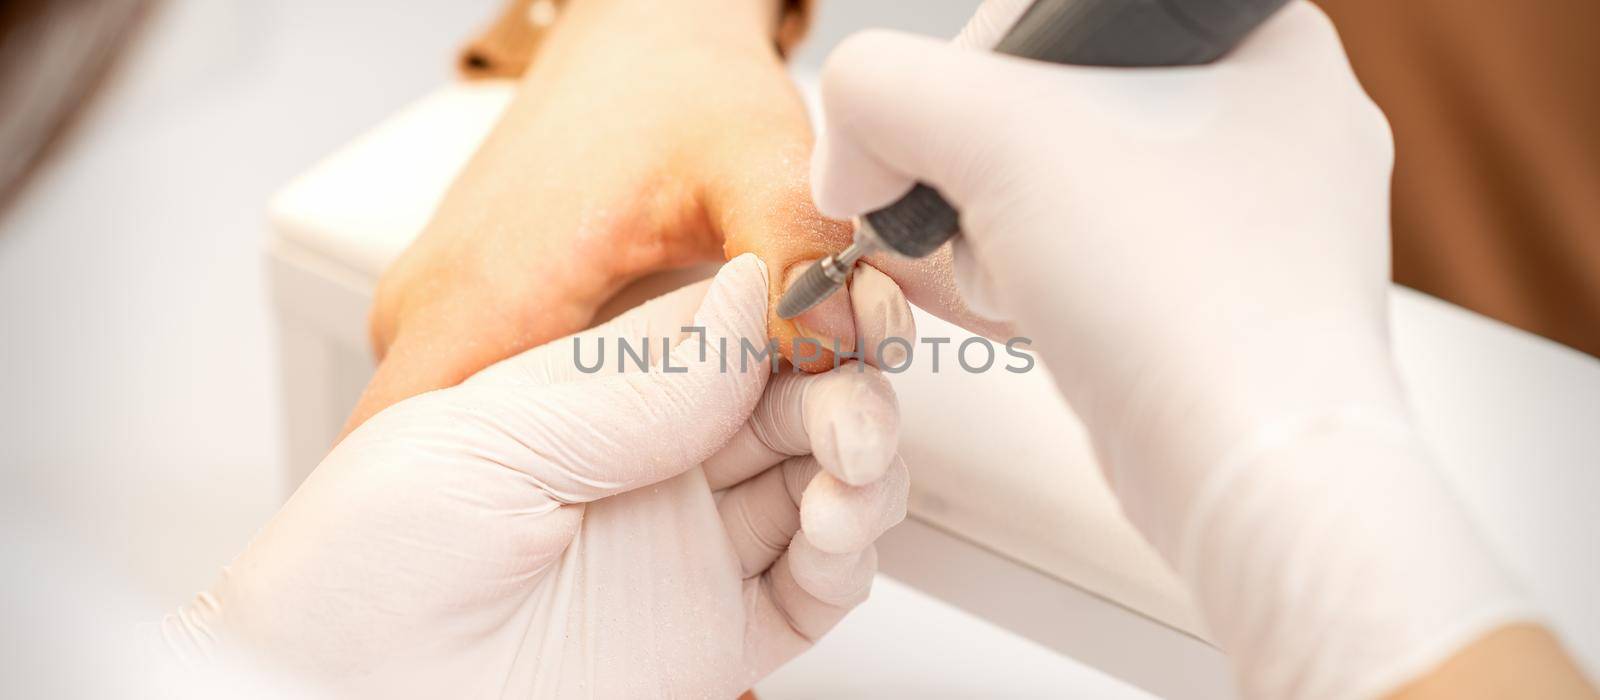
{"x":1126,"y":33}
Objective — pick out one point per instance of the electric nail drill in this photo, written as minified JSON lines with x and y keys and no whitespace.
{"x":1125,"y":33}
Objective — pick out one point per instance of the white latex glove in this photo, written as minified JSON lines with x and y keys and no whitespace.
{"x":1201,"y":257}
{"x":541,"y":532}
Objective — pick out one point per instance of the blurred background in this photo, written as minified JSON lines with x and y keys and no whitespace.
{"x":138,"y":405}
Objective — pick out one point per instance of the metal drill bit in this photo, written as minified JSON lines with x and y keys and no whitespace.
{"x":821,"y":280}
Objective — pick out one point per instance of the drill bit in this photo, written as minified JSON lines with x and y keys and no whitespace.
{"x":822,"y":279}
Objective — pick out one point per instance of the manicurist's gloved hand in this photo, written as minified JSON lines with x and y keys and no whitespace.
{"x":545,"y":531}
{"x":1201,"y":257}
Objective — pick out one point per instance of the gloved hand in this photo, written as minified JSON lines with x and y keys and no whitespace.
{"x":540,"y":531}
{"x":1201,"y":257}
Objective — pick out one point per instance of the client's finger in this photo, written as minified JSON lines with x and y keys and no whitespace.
{"x":646,"y":329}
{"x":582,"y":441}
{"x":760,"y":200}
{"x":443,"y":345}
{"x":847,"y":417}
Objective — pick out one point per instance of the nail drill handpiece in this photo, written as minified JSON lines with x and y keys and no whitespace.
{"x":1125,"y":33}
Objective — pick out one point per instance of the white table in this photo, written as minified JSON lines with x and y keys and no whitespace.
{"x":1011,"y":526}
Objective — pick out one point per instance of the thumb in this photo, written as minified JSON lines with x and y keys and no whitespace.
{"x":761,"y":202}
{"x":580,"y":441}
{"x":900,"y":109}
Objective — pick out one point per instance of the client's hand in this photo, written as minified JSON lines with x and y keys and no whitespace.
{"x":647,"y":135}
{"x":541,"y":531}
